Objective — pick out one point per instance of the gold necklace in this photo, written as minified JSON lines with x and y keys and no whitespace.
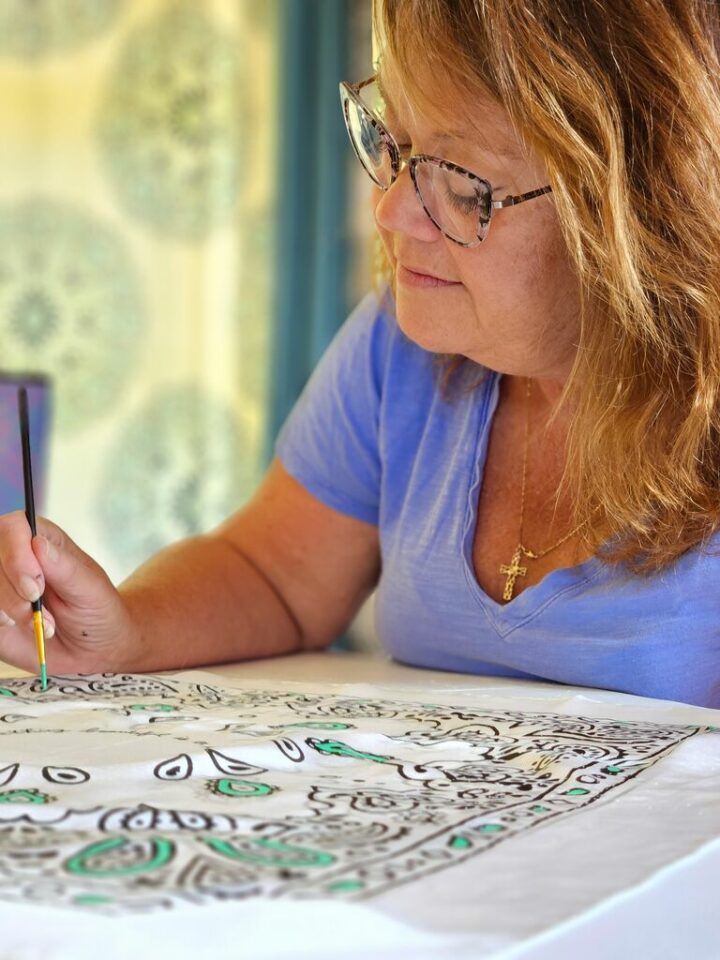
{"x":513,"y":570}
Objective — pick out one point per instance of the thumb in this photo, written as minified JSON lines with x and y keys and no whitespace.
{"x":73,"y":575}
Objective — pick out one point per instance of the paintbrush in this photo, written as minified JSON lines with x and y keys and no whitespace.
{"x":30,"y":514}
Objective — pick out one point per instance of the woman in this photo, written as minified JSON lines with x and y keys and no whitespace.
{"x":519,"y":442}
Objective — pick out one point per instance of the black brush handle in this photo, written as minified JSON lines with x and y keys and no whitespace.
{"x":27,"y":467}
{"x":27,"y":464}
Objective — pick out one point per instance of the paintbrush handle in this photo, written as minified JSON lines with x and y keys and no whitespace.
{"x":27,"y":462}
{"x":30,"y":514}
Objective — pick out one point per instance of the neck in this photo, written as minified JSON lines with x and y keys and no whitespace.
{"x":544,"y":396}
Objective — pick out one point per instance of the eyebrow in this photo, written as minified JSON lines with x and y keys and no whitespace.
{"x":444,"y":136}
{"x":441,"y":136}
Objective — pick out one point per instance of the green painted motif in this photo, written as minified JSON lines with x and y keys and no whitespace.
{"x":289,"y":855}
{"x":339,"y":749}
{"x":4,"y":692}
{"x":91,"y":899}
{"x":317,"y":725}
{"x":24,"y":796}
{"x":240,"y":788}
{"x":153,"y":707}
{"x":161,"y":853}
{"x":345,"y":886}
{"x":177,"y":832}
{"x":460,"y":843}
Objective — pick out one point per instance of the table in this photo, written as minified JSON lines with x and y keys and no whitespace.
{"x":665,"y":911}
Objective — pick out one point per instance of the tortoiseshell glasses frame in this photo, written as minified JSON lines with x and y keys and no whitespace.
{"x":462,"y":206}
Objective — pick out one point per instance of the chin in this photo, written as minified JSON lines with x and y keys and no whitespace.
{"x":425,"y":334}
{"x":422,"y":327}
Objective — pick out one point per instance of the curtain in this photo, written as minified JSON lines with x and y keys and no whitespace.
{"x":312,"y":235}
{"x":137,"y":254}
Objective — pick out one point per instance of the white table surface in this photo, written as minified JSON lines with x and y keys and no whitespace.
{"x":672,"y":915}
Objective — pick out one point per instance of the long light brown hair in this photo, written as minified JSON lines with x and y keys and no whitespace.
{"x":621,"y":99}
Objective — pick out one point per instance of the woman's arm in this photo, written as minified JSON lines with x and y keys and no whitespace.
{"x":285,"y":573}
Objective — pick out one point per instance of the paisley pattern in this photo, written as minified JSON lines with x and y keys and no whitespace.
{"x":164,"y":792}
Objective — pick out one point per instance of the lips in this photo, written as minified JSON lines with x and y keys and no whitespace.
{"x":414,"y":277}
{"x":425,"y":273}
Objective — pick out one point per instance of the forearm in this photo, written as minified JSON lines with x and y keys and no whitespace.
{"x":201,"y":601}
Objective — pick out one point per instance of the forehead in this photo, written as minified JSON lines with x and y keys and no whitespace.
{"x":433,"y":107}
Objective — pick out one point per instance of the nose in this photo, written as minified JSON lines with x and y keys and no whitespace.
{"x":398,"y":210}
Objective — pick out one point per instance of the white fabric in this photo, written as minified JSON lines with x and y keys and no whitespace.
{"x":621,"y":850}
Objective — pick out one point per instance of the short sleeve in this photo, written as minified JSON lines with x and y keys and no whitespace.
{"x":329,"y":442}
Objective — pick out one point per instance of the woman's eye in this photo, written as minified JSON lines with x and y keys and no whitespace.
{"x":465,"y":203}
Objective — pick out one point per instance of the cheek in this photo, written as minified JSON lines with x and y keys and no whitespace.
{"x":387,"y":246}
{"x":385,"y":236}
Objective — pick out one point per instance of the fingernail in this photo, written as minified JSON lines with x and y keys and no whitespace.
{"x":48,"y":628}
{"x":5,"y":620}
{"x":51,"y":551}
{"x":29,"y":589}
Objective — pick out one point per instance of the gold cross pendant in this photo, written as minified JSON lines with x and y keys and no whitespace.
{"x":513,"y":572}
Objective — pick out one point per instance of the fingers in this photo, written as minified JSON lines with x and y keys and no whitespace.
{"x":49,"y":626}
{"x":22,"y":580}
{"x":73,"y":576}
{"x":17,"y":641}
{"x":29,"y":565}
{"x":75,"y":591}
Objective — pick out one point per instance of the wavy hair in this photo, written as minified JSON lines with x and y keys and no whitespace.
{"x":621,"y":99}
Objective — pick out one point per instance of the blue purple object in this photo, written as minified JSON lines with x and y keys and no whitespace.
{"x":11,"y":468}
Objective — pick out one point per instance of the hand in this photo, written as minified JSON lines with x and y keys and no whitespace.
{"x":88,"y":627}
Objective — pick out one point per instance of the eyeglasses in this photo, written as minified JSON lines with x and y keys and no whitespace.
{"x":457,"y":201}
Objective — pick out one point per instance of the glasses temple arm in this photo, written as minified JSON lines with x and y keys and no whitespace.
{"x":510,"y":201}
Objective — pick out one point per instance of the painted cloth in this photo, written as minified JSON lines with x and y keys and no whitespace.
{"x":148,"y":796}
{"x":371,"y":437}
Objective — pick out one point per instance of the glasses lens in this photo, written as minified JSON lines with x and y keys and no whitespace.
{"x":459,"y":205}
{"x":368,"y":142}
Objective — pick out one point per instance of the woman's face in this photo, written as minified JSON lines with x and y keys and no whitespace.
{"x":513,"y":304}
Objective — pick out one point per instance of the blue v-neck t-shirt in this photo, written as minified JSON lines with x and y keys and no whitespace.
{"x":372,"y":437}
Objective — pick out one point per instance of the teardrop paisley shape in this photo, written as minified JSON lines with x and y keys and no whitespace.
{"x":7,"y":773}
{"x":160,"y":852}
{"x":291,"y":750}
{"x":69,"y":775}
{"x":231,"y":766}
{"x":286,"y":854}
{"x":176,"y":768}
{"x":240,"y":788}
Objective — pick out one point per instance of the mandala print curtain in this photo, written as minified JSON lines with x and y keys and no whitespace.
{"x":136,"y":246}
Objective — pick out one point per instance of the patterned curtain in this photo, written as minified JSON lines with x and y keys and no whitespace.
{"x":137,"y":233}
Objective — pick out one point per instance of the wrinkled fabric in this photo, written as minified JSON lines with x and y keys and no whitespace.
{"x":339,"y":820}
